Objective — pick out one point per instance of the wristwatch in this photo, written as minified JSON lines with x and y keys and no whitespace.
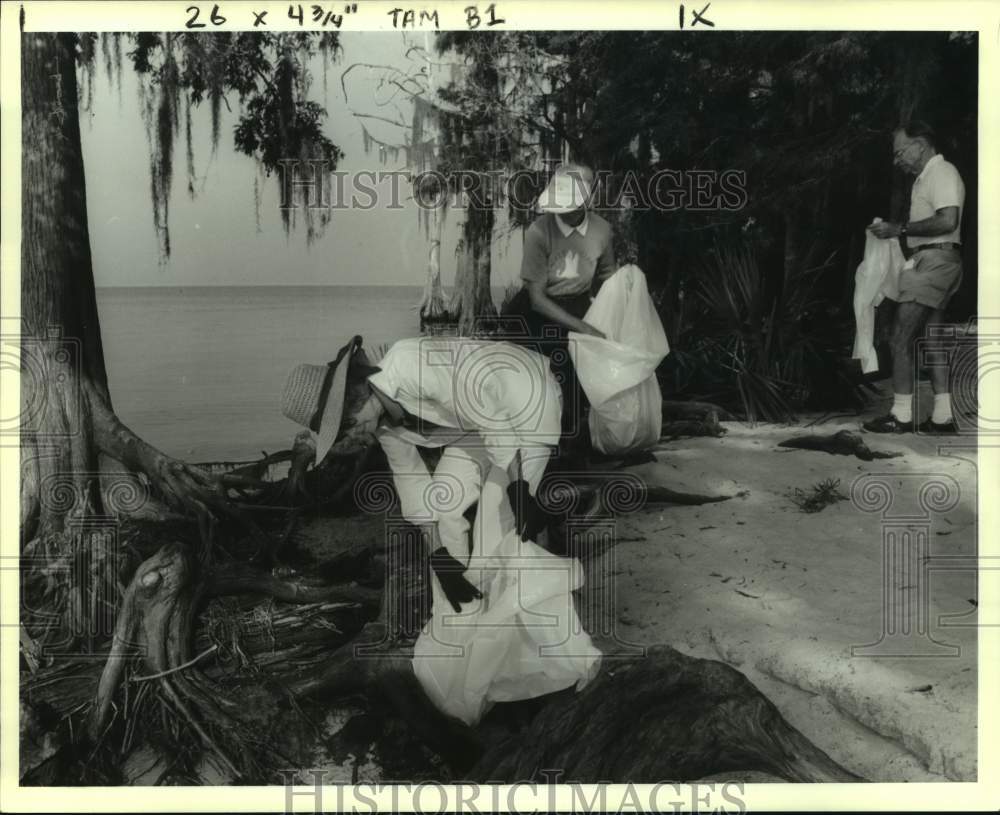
{"x":902,"y":231}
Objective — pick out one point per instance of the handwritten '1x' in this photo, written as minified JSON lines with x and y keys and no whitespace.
{"x":697,"y":17}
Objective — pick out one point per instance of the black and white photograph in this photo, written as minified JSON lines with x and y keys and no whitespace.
{"x":407,"y":401}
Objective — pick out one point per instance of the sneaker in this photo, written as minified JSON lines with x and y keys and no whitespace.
{"x":888,"y":424}
{"x":933,"y":428}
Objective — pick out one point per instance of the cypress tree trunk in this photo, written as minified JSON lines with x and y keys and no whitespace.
{"x":62,"y":364}
{"x":69,"y":432}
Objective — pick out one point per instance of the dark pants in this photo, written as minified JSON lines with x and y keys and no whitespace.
{"x":525,"y":326}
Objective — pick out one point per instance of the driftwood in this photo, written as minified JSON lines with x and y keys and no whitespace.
{"x":843,"y":443}
{"x":692,"y":419}
{"x":693,"y":411}
{"x":660,"y":717}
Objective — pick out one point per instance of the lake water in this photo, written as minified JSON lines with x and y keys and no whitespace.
{"x":198,"y":372}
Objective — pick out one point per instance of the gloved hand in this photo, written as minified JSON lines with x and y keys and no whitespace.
{"x":529,"y":518}
{"x":451,"y":573}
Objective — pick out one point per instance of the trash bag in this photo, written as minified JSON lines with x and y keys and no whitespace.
{"x":618,"y":373}
{"x":523,"y":639}
{"x":877,"y":277}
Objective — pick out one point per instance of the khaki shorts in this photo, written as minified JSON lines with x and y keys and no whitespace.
{"x":934,"y":278}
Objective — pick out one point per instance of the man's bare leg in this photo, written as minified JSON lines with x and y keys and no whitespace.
{"x":909,"y":323}
{"x":941,"y":418}
{"x":940,"y":374}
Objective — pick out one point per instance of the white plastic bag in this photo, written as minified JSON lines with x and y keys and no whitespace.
{"x":877,"y":277}
{"x":618,"y":373}
{"x":523,"y":639}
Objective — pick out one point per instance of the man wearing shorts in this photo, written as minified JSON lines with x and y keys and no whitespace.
{"x":932,"y":240}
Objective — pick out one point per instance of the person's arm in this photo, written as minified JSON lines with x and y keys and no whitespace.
{"x":530,"y":519}
{"x":535,"y":275}
{"x":947,"y":194}
{"x":606,"y":265}
{"x":544,"y":305}
{"x":942,"y":222}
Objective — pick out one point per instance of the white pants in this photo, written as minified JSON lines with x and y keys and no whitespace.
{"x":461,"y":470}
{"x":455,"y":485}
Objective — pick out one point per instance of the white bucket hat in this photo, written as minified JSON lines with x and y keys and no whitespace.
{"x":314,"y":396}
{"x":567,"y":190}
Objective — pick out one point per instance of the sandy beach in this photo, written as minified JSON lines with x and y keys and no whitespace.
{"x":785,"y":595}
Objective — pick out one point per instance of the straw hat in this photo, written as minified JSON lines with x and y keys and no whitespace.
{"x":314,"y":396}
{"x":569,"y":189}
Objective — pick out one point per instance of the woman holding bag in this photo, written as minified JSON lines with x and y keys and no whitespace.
{"x":567,"y":252}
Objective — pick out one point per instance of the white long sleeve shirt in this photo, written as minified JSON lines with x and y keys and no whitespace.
{"x":499,"y":395}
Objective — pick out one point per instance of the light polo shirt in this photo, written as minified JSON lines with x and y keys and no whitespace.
{"x":567,"y":257}
{"x":939,"y":185}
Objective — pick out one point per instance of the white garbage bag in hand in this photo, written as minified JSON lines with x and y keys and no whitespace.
{"x":618,"y":373}
{"x":877,"y":277}
{"x":523,"y":639}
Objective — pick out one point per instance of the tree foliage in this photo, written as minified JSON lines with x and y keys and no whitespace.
{"x":267,"y":74}
{"x":804,"y":117}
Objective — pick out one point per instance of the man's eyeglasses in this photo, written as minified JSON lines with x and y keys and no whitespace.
{"x":901,"y":151}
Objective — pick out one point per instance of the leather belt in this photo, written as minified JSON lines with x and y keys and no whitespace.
{"x":956,"y":246}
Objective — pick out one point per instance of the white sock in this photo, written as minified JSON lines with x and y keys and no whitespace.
{"x":902,"y":406}
{"x":942,"y":408}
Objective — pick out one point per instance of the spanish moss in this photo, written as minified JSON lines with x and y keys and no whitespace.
{"x":268,"y":76}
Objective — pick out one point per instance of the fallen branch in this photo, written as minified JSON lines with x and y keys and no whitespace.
{"x":665,"y":495}
{"x":844,"y":443}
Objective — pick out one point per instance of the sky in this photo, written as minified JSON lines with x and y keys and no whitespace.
{"x":214,"y":235}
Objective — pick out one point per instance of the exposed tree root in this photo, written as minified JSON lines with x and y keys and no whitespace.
{"x":156,"y":625}
{"x":240,"y":579}
{"x":183,"y":487}
{"x":293,"y":490}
